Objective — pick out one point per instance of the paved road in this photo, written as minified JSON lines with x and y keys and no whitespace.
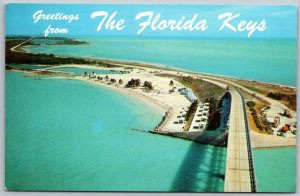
{"x":15,"y":47}
{"x":237,"y":176}
{"x":275,"y":105}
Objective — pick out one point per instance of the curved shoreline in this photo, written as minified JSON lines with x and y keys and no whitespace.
{"x":151,"y":68}
{"x":159,"y":105}
{"x":161,"y":66}
{"x":145,"y":64}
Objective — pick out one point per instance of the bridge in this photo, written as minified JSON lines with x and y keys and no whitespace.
{"x":240,"y":173}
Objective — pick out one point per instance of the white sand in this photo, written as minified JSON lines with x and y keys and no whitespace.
{"x":160,"y":98}
{"x":176,"y":103}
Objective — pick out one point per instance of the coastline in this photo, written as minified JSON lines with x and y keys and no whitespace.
{"x":162,"y":106}
{"x":148,"y":99}
{"x":162,"y":66}
{"x":156,"y":66}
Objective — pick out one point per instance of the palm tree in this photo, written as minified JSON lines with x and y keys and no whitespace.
{"x":171,"y":83}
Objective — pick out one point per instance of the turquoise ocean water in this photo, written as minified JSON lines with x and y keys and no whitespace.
{"x":77,"y":145}
{"x":275,"y":169}
{"x":266,"y":60}
{"x":70,"y":135}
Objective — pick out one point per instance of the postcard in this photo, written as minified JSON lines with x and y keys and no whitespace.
{"x":150,"y":98}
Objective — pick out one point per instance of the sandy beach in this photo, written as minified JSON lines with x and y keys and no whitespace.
{"x":167,"y":99}
{"x":160,"y":97}
{"x":175,"y":104}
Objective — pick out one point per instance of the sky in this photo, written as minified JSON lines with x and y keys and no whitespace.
{"x":281,"y":20}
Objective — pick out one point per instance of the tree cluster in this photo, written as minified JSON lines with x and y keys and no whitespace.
{"x":290,"y":98}
{"x":192,"y":109}
{"x":261,"y":125}
{"x":214,"y":116}
{"x":148,"y":85}
{"x":133,"y":83}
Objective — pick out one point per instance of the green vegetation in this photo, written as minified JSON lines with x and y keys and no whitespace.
{"x":251,"y":105}
{"x":190,"y":114}
{"x":191,"y":111}
{"x":202,"y":89}
{"x":60,"y":41}
{"x":285,"y":95}
{"x":112,"y":80}
{"x":259,"y":119}
{"x":291,"y":99}
{"x":22,"y":57}
{"x":205,"y":92}
{"x":148,"y":86}
{"x":133,"y":83}
{"x":214,"y":117}
{"x":251,"y":88}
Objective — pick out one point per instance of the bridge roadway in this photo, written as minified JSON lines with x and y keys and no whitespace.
{"x":239,"y":175}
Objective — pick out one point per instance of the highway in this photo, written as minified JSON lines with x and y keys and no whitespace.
{"x":239,"y":174}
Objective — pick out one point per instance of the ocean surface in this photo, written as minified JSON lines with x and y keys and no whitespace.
{"x":275,"y":169}
{"x":266,"y":60}
{"x":82,"y":134}
{"x":80,"y":71}
{"x":70,"y":135}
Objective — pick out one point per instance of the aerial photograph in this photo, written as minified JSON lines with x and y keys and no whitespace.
{"x":150,"y":98}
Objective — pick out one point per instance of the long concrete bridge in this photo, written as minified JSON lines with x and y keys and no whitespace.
{"x":240,"y":174}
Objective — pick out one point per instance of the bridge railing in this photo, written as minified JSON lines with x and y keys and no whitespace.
{"x":250,"y":155}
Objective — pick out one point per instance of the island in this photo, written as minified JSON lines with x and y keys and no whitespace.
{"x":216,"y":110}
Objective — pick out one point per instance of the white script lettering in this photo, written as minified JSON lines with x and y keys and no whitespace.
{"x":110,"y":23}
{"x":157,"y":24}
{"x":39,"y":15}
{"x":51,"y":30}
{"x":250,"y":26}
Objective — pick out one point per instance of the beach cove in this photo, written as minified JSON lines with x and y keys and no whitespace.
{"x":79,"y":149}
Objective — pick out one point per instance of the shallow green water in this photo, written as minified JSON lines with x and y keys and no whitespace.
{"x":267,"y":60}
{"x":275,"y":169}
{"x":79,"y":71}
{"x":46,"y":41}
{"x":27,"y":66}
{"x":70,"y":135}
